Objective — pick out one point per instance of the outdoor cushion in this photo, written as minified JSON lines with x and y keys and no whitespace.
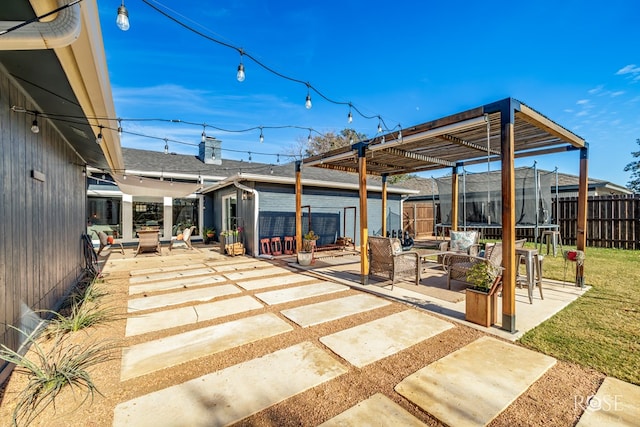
{"x":461,"y":241}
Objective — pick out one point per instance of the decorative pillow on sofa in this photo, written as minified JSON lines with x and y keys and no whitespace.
{"x":461,"y":241}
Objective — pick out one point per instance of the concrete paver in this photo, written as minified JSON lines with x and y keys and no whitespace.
{"x":300,"y":292}
{"x":150,"y":356}
{"x":185,"y":282}
{"x":221,"y":398}
{"x":168,"y":275}
{"x":181,"y":297}
{"x":258,"y":272}
{"x":369,"y":342}
{"x":227,"y":268}
{"x":270,"y":282}
{"x":616,"y":404}
{"x":472,"y":385}
{"x":314,"y":314}
{"x":378,"y":410}
{"x":165,"y":269}
{"x":171,"y":318}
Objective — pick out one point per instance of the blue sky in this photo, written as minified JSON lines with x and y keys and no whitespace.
{"x":576,"y":62}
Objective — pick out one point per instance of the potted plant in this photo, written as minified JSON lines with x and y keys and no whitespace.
{"x":482,"y":297}
{"x":209,"y":234}
{"x":305,"y":256}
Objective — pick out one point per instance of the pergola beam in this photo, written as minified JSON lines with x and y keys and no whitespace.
{"x":417,"y":156}
{"x":468,"y":144}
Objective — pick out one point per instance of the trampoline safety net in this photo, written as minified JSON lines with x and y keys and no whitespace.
{"x":480,"y":198}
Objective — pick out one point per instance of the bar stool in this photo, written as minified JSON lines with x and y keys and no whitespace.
{"x":289,"y":245}
{"x":265,"y":246}
{"x":551,"y":237}
{"x":276,"y":246}
{"x":533,"y":263}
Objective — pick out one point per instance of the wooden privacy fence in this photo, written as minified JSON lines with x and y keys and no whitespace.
{"x":612,"y":221}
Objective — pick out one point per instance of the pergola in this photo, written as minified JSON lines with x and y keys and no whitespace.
{"x":499,"y":131}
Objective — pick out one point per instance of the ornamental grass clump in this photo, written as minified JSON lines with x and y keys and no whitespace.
{"x":50,"y":371}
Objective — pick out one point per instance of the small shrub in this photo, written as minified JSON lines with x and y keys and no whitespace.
{"x":65,"y":364}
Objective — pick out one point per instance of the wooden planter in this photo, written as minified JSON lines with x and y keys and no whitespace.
{"x":481,"y":307}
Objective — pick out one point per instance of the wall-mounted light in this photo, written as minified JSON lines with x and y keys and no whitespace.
{"x":122,"y":20}
{"x":34,"y":126}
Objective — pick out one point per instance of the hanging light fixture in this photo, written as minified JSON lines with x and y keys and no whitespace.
{"x":34,"y":126}
{"x":278,"y":158}
{"x":307,"y":103}
{"x":204,"y":135}
{"x":84,"y":171}
{"x":379,"y":125}
{"x":99,"y":137}
{"x":122,"y":20}
{"x":350,"y":116}
{"x":308,"y":138}
{"x":166,"y":146}
{"x":261,"y":136}
{"x":249,"y":155}
{"x":124,"y":177}
{"x":120,"y":128}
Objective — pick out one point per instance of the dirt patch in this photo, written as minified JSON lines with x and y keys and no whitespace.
{"x":550,"y":401}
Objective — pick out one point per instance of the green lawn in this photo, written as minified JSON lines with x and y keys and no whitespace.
{"x":601,"y":329}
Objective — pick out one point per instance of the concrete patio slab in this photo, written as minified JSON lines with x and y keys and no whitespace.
{"x":616,"y":404}
{"x":171,"y":275}
{"x":185,"y":282}
{"x":369,"y":342}
{"x":165,"y":319}
{"x":226,"y":260}
{"x":314,"y":314}
{"x":270,"y":282}
{"x":258,"y":272}
{"x":300,"y":292}
{"x":378,"y":410}
{"x":474,"y":384}
{"x":165,"y":269}
{"x":181,"y":297}
{"x":234,"y":393}
{"x":147,"y":357}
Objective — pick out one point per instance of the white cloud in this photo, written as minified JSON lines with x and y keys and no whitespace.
{"x":568,"y":110}
{"x":628,"y":69}
{"x":581,"y":113}
{"x":596,"y":90}
{"x":618,"y":93}
{"x":582,"y":101}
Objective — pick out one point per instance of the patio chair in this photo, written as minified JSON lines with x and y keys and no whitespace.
{"x":106,"y":242}
{"x":462,"y":241}
{"x":185,"y":241}
{"x":387,"y":259}
{"x":149,"y":241}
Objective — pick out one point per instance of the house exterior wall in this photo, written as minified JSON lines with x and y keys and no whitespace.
{"x":42,"y":221}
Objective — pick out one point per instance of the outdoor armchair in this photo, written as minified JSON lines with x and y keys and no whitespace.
{"x":185,"y":241}
{"x":387,"y":259}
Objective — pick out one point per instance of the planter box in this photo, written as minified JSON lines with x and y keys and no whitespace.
{"x":481,"y":308}
{"x":235,"y":249}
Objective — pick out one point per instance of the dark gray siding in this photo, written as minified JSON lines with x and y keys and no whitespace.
{"x":42,"y":222}
{"x":277,"y":211}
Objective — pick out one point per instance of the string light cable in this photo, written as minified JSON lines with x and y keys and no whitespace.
{"x":38,"y":18}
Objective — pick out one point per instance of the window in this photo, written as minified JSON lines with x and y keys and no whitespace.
{"x":104,"y":215}
{"x":185,"y":214}
{"x":148,"y":214}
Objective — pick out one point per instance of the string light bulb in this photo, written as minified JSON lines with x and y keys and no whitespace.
{"x":34,"y":126}
{"x":166,"y":146}
{"x":379,"y":126}
{"x":309,"y":137}
{"x":307,"y":103}
{"x":122,"y":20}
{"x":120,"y":128}
{"x":400,"y":135}
{"x":84,"y":171}
{"x":249,"y":155}
{"x":99,"y":137}
{"x":261,"y":136}
{"x":350,"y":116}
{"x":124,"y":177}
{"x":204,"y":135}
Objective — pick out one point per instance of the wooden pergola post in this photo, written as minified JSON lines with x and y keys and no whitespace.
{"x":454,"y":198}
{"x":364,"y":227}
{"x":581,"y":235}
{"x":507,"y":141}
{"x":384,"y":205}
{"x":298,"y":205}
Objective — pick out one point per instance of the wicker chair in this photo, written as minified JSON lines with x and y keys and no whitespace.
{"x":386,"y":259}
{"x":457,"y":265}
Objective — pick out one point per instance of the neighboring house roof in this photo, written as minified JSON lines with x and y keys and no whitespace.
{"x":427,"y":187}
{"x":68,"y":80}
{"x":181,"y":166}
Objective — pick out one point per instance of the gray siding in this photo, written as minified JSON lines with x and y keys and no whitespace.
{"x":42,"y":222}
